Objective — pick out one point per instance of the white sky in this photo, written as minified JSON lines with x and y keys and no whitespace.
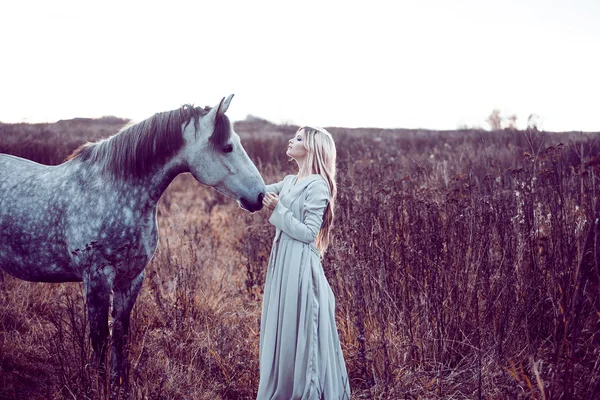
{"x":408,"y":64}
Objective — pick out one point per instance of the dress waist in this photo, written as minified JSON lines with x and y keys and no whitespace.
{"x":313,"y":247}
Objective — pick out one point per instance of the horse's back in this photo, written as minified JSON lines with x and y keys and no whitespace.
{"x":10,"y":160}
{"x":25,"y":183}
{"x":14,"y":169}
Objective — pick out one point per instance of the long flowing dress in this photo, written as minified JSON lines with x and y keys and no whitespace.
{"x":300,"y":352}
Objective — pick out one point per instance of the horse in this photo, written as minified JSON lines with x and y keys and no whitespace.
{"x":93,"y":218}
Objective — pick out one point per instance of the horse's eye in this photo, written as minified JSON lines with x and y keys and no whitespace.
{"x":228,"y":148}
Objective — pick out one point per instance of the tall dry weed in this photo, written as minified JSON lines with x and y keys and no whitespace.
{"x":464,"y":265}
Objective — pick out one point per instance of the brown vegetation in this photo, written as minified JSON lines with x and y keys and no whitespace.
{"x":464,"y":264}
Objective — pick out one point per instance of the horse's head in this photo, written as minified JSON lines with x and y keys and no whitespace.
{"x":216,"y":158}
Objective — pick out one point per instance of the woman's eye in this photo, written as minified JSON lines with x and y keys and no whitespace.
{"x":228,"y":148}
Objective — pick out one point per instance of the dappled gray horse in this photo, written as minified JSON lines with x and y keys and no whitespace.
{"x":93,"y":218}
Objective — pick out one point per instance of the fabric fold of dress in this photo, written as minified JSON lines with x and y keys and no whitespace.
{"x":300,"y":352}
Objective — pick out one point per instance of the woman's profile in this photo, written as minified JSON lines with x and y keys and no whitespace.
{"x":300,"y":352}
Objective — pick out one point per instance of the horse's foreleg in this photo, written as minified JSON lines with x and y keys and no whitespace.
{"x":97,"y":292}
{"x":124,"y":298}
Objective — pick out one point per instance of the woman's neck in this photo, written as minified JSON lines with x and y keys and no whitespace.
{"x":303,"y":172}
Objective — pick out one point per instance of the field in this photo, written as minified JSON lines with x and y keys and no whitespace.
{"x":464,"y":265}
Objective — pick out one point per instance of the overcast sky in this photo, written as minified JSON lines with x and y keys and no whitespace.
{"x":411,"y":64}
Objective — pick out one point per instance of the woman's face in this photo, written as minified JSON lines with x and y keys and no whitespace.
{"x":296,"y":149}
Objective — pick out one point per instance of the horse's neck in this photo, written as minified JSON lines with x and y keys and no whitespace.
{"x":157,"y":182}
{"x":147,"y":189}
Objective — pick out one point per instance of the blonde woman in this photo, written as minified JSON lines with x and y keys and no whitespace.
{"x":300,"y":353}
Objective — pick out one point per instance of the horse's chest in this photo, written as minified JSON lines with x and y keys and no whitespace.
{"x":126,"y":242}
{"x":120,"y":237}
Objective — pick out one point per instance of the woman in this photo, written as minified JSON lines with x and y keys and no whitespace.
{"x":300,"y":353}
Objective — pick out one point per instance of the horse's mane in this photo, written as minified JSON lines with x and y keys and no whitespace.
{"x":133,"y":151}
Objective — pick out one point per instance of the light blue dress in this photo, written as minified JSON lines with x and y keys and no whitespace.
{"x":300,"y":352}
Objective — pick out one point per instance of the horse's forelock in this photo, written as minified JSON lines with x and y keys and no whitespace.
{"x":221,"y":133}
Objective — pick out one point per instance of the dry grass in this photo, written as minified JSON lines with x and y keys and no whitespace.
{"x":459,"y":264}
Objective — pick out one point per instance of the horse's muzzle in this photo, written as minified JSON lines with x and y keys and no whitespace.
{"x":253,"y":206}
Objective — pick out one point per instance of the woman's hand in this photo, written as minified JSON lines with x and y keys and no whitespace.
{"x":270,"y":200}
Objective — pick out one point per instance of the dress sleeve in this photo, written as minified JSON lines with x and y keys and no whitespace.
{"x":275,"y":187}
{"x":317,"y":197}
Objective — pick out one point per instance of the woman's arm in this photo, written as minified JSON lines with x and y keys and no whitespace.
{"x":317,"y":197}
{"x":275,"y":187}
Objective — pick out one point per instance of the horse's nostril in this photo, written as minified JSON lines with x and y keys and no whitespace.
{"x":261,"y":196}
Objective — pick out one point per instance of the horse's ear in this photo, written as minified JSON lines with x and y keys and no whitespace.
{"x":212,"y":114}
{"x":220,"y":109}
{"x":224,"y":105}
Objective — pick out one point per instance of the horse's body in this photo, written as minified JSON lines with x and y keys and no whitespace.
{"x":66,"y":218}
{"x":93,"y":218}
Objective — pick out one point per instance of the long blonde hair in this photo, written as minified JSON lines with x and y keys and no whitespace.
{"x":321,"y":160}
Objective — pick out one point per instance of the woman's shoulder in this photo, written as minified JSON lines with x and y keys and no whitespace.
{"x":319,"y":183}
